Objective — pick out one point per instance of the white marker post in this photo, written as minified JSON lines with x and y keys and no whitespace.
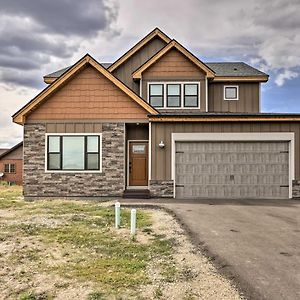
{"x":133,"y":222}
{"x":117,"y":214}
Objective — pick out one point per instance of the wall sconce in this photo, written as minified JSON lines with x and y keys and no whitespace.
{"x":161,"y":145}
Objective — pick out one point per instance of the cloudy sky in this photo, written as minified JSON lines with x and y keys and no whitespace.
{"x":40,"y":36}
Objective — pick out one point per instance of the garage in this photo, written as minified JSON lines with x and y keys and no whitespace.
{"x":231,"y":169}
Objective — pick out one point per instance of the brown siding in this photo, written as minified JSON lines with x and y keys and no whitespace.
{"x":88,"y":95}
{"x":124,"y":71}
{"x":248,"y":98}
{"x":174,"y":66}
{"x":161,"y":158}
{"x":13,"y":177}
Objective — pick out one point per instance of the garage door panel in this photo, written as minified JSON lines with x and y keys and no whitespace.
{"x":232,"y":169}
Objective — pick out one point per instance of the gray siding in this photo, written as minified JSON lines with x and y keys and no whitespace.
{"x":124,"y":71}
{"x":248,"y":98}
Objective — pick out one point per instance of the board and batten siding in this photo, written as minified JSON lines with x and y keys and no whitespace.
{"x":174,"y":66}
{"x":161,"y":158}
{"x":125,"y":70}
{"x":88,"y":95}
{"x":248,"y":97}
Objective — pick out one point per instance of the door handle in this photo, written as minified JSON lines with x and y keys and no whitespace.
{"x":130,"y":167}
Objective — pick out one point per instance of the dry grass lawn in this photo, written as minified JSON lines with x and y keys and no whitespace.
{"x":64,"y":249}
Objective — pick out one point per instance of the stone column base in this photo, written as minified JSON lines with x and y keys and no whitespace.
{"x":296,"y":189}
{"x":161,"y":188}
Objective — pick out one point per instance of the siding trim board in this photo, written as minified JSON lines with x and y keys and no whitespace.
{"x":246,"y":137}
{"x":203,"y":118}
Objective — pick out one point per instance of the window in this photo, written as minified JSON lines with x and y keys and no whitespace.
{"x":231,"y":93}
{"x":74,"y":153}
{"x":191,"y":95}
{"x":173,"y":95}
{"x":156,"y":95}
{"x":9,"y":168}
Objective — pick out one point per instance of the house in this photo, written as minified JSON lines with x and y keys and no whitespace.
{"x":158,"y":119}
{"x":11,"y":165}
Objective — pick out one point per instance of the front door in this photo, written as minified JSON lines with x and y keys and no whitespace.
{"x":138,"y":163}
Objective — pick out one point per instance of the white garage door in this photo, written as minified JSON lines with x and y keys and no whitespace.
{"x":232,"y":169}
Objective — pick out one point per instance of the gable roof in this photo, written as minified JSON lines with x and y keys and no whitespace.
{"x":156,"y":32}
{"x":20,"y":116}
{"x":49,"y":78}
{"x":11,"y":149}
{"x":171,"y":45}
{"x":3,"y":150}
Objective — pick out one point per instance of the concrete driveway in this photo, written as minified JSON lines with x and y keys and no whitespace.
{"x":257,"y":242}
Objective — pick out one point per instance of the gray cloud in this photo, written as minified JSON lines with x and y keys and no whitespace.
{"x":65,"y":17}
{"x":36,"y":33}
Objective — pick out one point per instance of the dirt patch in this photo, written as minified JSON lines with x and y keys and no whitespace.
{"x":196,"y":277}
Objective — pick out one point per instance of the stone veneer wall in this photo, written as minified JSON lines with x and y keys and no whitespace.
{"x":161,"y":188}
{"x":296,"y":189}
{"x":38,"y":183}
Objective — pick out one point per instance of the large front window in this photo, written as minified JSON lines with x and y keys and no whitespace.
{"x":174,"y":94}
{"x":74,"y":152}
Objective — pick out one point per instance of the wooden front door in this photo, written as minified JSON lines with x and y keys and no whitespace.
{"x":138,"y":163}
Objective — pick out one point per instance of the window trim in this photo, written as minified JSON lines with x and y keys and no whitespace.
{"x":167,"y":95}
{"x":163,"y":94}
{"x":164,"y":83}
{"x":86,"y":152}
{"x":237,"y":92}
{"x":9,"y":168}
{"x":190,"y":95}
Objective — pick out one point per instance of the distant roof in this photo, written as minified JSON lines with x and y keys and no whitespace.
{"x":3,"y":150}
{"x":233,"y":69}
{"x":61,"y":71}
{"x":11,"y":149}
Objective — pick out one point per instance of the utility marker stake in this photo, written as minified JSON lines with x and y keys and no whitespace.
{"x":133,"y":222}
{"x":117,"y":214}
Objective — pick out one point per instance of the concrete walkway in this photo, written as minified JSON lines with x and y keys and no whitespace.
{"x":257,"y":242}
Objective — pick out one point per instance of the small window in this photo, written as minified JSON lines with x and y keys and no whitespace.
{"x":191,"y":95}
{"x":9,"y":168}
{"x":231,"y":93}
{"x":156,"y":95}
{"x":173,"y":95}
{"x":74,"y":153}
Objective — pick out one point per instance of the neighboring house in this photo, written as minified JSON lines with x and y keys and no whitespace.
{"x":158,"y":119}
{"x":11,"y":165}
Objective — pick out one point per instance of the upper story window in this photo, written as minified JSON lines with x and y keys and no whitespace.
{"x":174,"y":95}
{"x":74,"y":152}
{"x":9,"y":168}
{"x":231,"y":92}
{"x":156,"y":95}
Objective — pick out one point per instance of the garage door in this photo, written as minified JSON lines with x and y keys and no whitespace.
{"x":232,"y":169}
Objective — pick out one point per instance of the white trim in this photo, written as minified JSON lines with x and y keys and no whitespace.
{"x":137,"y":187}
{"x":206,"y":94}
{"x":251,"y":136}
{"x":141,"y":87}
{"x":149,"y":155}
{"x":164,"y":83}
{"x":259,"y":97}
{"x":127,"y":175}
{"x":71,"y":134}
{"x":237,"y":92}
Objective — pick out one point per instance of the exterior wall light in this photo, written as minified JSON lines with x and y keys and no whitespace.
{"x":161,"y":145}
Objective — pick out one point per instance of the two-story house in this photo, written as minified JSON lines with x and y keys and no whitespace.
{"x":158,"y":119}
